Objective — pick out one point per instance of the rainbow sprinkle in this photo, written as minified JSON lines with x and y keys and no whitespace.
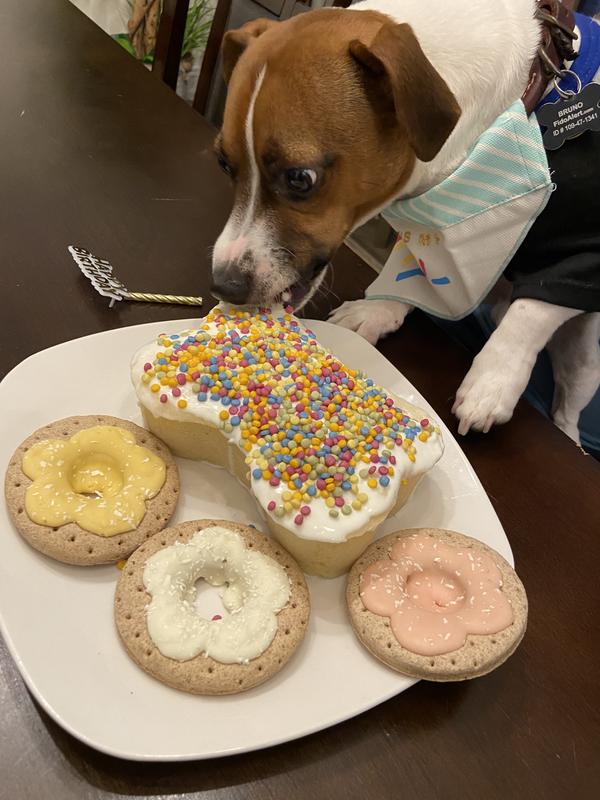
{"x":312,"y":428}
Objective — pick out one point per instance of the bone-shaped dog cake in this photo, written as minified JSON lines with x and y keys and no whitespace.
{"x":326,"y":452}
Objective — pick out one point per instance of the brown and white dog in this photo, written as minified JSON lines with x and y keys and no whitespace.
{"x":333,"y":114}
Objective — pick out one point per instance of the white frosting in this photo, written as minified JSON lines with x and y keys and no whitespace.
{"x":319,"y":525}
{"x":257,"y":589}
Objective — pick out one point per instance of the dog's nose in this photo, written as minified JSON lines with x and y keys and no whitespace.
{"x":231,"y":285}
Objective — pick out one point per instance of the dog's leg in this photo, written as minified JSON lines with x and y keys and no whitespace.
{"x":575,"y":355}
{"x":371,"y":318}
{"x":499,"y":373}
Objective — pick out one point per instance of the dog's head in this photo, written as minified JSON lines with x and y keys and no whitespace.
{"x":325,"y":116}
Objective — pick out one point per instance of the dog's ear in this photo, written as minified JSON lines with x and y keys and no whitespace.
{"x":423,"y":103}
{"x":235,"y":42}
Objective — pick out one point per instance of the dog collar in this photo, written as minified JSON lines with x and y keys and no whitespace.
{"x":556,"y":48}
{"x":587,"y":63}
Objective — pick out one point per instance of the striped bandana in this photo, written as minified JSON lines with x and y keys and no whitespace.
{"x":455,"y":240}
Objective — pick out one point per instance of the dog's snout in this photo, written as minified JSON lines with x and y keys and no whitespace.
{"x":233,"y":250}
{"x":231,"y":285}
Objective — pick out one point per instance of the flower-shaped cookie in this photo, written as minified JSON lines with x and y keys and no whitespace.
{"x":99,"y":478}
{"x":435,"y":594}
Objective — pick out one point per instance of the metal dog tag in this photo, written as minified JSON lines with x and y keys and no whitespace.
{"x":571,"y":116}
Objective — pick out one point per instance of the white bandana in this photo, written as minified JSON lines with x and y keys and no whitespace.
{"x":455,"y":240}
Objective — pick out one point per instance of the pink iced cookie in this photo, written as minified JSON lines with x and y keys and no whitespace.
{"x":436,"y":604}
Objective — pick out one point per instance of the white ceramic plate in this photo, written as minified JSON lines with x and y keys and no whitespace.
{"x":58,"y":620}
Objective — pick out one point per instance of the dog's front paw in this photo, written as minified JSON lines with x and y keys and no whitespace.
{"x":490,"y":391}
{"x":371,"y":318}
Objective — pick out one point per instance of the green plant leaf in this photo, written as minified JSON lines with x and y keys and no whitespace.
{"x":123,"y":40}
{"x":197,"y":26}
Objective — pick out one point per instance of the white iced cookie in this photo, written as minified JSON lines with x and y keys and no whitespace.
{"x":257,"y":588}
{"x":262,"y":621}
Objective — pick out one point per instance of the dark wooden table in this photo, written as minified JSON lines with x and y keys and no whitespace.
{"x":95,"y":151}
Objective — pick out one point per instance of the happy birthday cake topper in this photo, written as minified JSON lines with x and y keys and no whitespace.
{"x":99,"y":271}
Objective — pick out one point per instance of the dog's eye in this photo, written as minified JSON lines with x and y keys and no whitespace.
{"x":225,"y":165}
{"x":300,"y":180}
